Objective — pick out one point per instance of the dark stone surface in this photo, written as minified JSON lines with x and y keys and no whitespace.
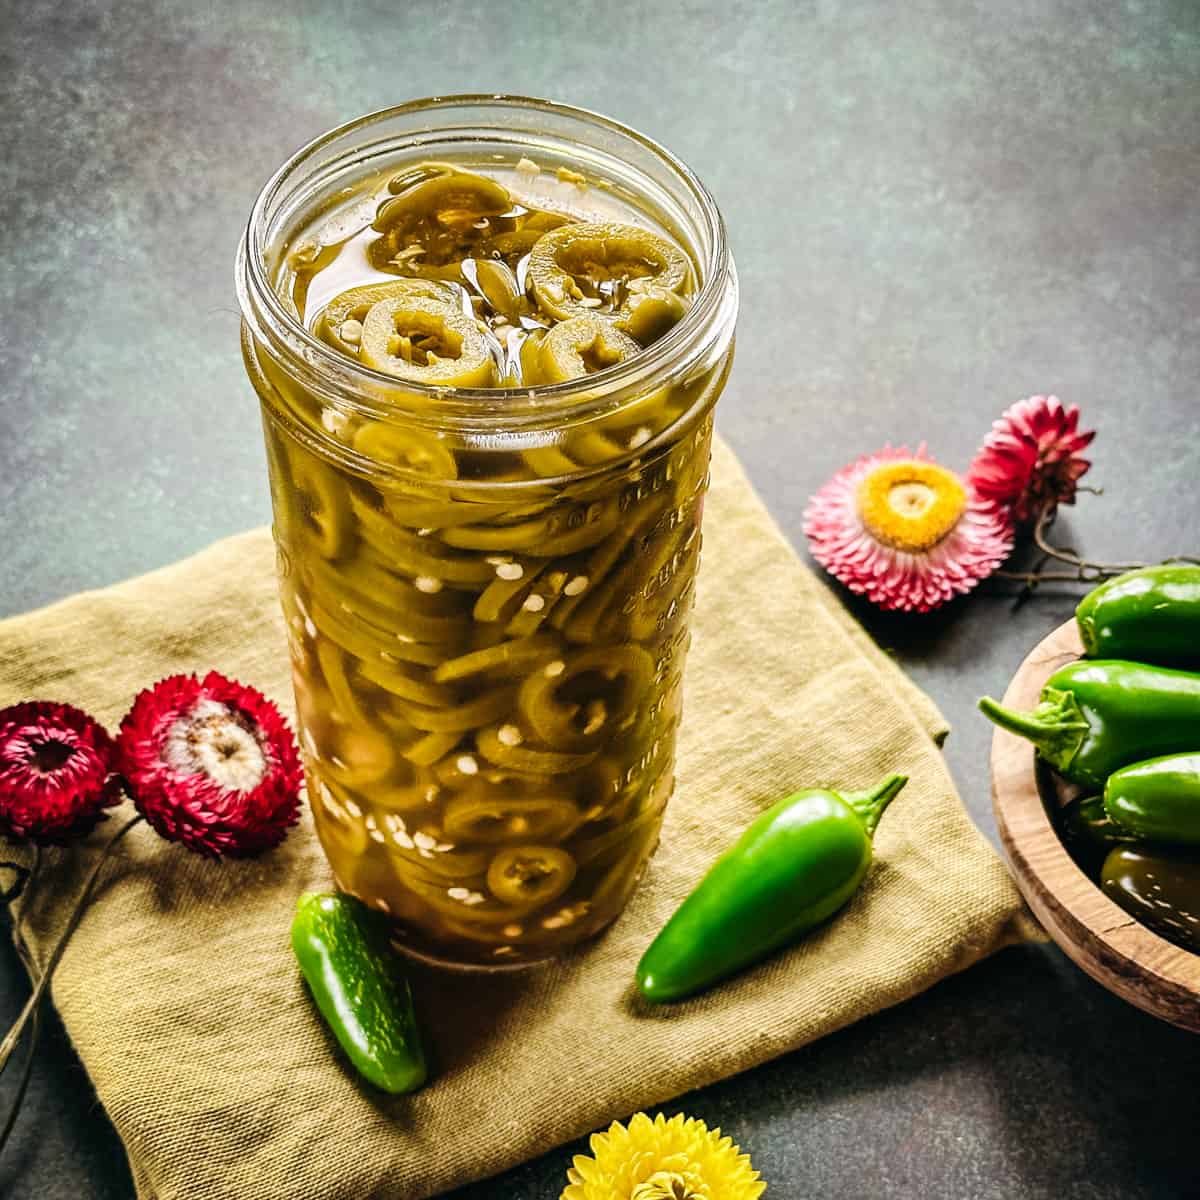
{"x":937,"y":208}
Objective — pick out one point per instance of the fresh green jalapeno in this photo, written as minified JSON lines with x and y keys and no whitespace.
{"x":793,"y":868}
{"x":1096,"y":716}
{"x":1157,"y":800}
{"x":358,"y":984}
{"x":1149,"y":615}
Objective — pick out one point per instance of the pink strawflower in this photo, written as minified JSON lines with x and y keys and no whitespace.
{"x":904,"y":532}
{"x":1031,"y":459}
{"x":212,"y":764}
{"x":56,"y":773}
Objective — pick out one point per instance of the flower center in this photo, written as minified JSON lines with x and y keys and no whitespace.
{"x":911,"y":505}
{"x":49,"y":755}
{"x":214,"y":740}
{"x":665,"y":1185}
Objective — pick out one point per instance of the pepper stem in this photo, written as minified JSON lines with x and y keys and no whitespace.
{"x":1056,"y":726}
{"x":870,"y":804}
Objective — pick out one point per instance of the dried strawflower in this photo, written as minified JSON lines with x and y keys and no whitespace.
{"x":56,"y":773}
{"x":1031,"y":460}
{"x":212,"y":764}
{"x":904,"y":532}
{"x":679,"y":1159}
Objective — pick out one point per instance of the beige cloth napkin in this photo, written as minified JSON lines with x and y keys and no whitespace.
{"x":183,"y":1001}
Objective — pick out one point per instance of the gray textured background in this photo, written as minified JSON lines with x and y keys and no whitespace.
{"x":937,"y":208}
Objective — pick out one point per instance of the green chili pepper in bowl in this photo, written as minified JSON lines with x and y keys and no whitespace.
{"x":793,"y":868}
{"x":1157,"y":800}
{"x":357,"y":980}
{"x":1098,"y":715}
{"x":1159,"y":889}
{"x":1151,"y":615}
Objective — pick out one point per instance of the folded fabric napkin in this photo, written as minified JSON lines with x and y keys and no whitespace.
{"x":183,"y":1001}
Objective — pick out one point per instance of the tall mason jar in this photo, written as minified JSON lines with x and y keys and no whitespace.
{"x":487,"y":590}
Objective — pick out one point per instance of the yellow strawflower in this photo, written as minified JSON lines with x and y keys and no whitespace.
{"x":679,"y":1159}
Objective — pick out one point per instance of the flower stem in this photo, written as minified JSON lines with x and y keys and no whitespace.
{"x":43,"y":982}
{"x":1082,"y":570}
{"x":25,"y":888}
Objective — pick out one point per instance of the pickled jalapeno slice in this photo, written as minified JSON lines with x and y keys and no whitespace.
{"x":650,"y":311}
{"x":499,"y":746}
{"x":487,"y":814}
{"x":582,"y":346}
{"x":481,"y":710}
{"x":341,"y":321}
{"x":413,"y":449}
{"x":438,"y":221}
{"x":530,"y":875}
{"x":588,"y":267}
{"x":505,"y":658}
{"x":595,"y":694}
{"x":315,"y":505}
{"x":426,"y":340}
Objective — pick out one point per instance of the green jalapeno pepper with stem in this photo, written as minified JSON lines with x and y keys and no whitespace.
{"x":793,"y":868}
{"x":1150,"y":615}
{"x":358,"y":983}
{"x":1157,"y":800}
{"x":1160,"y":890}
{"x":1096,"y":716}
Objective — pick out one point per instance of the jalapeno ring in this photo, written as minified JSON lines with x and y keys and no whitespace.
{"x":409,"y":448}
{"x":441,"y":215}
{"x":586,"y":267}
{"x":318,"y":500}
{"x":530,"y":876}
{"x":427,"y":341}
{"x":486,"y":814}
{"x":581,"y":707}
{"x":582,"y":346}
{"x":354,"y":304}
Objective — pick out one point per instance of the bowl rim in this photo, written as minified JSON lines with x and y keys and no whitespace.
{"x":1098,"y":935}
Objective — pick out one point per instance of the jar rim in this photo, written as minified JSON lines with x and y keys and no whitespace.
{"x":264,"y":310}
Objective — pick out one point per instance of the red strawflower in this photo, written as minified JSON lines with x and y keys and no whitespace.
{"x":56,"y":773}
{"x":212,"y":764}
{"x":1031,"y":459}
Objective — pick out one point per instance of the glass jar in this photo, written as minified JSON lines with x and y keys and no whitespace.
{"x":487,"y":591}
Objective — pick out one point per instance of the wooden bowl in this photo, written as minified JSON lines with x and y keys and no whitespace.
{"x":1102,"y":938}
